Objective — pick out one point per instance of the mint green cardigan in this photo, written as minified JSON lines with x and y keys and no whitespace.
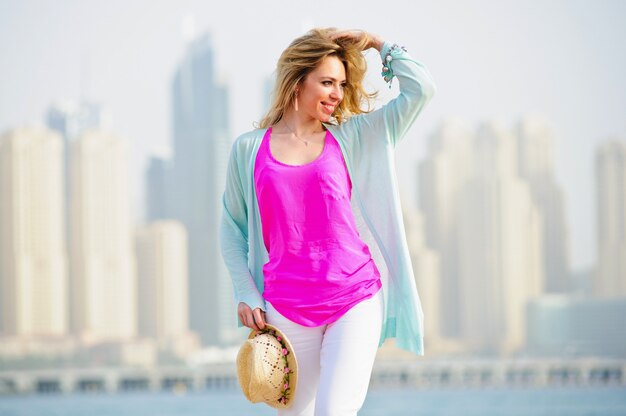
{"x":367,"y":142}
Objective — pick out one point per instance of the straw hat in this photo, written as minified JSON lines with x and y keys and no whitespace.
{"x":267,"y":368}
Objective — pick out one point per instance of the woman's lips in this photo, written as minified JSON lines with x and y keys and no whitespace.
{"x":329,"y":108}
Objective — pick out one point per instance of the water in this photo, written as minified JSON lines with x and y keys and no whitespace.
{"x":571,"y":401}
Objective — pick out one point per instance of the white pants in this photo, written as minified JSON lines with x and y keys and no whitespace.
{"x":334,"y":361}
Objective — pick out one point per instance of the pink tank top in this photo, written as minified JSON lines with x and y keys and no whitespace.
{"x":318,"y":265}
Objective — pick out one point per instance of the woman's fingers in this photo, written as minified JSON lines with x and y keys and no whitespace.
{"x":373,"y":41}
{"x":259,"y":317}
{"x":252,"y":319}
{"x":250,"y":322}
{"x":246,"y":316}
{"x":349,"y":34}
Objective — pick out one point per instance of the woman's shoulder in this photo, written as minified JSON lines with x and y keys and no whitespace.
{"x":247,"y":141}
{"x":349,"y":125}
{"x":251,"y":135}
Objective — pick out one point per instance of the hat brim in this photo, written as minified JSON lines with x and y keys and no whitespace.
{"x":292,"y":362}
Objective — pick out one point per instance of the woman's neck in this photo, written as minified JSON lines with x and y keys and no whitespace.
{"x":301,"y":125}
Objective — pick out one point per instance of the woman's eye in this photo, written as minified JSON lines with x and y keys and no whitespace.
{"x":327,"y":83}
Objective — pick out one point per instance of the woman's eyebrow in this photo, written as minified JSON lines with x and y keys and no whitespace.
{"x":332,"y":79}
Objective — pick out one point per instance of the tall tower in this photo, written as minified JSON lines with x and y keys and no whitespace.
{"x":103,"y":272}
{"x":610,"y":279}
{"x":535,"y":143}
{"x":427,"y":270}
{"x":442,"y":176}
{"x":500,"y":265}
{"x":201,"y":144}
{"x":33,"y":260}
{"x":71,"y":119}
{"x":163,"y":308}
{"x":158,"y":198}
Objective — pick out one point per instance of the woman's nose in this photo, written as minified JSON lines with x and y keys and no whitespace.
{"x":337,"y":93}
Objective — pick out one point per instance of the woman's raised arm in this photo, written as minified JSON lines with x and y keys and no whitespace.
{"x":417,"y":87}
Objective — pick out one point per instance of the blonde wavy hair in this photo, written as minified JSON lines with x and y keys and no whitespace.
{"x":302,"y":56}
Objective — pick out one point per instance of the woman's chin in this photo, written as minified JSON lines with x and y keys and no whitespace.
{"x":325,"y":118}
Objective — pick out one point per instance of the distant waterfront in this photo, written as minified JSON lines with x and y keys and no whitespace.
{"x":570,"y":401}
{"x":477,"y":387}
{"x":520,"y":373}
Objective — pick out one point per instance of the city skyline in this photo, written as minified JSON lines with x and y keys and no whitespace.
{"x":116,"y":120}
{"x":555,"y":59}
{"x":492,"y":216}
{"x":496,"y":243}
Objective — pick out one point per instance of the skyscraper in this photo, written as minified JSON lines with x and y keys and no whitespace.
{"x":103,"y":275}
{"x":163,"y":308}
{"x":442,"y":176}
{"x":610,"y":278}
{"x":201,"y":145}
{"x":500,"y":265}
{"x":33,"y":260}
{"x":427,"y":269}
{"x":535,"y":142}
{"x":481,"y":219}
{"x":158,"y":182}
{"x":71,"y":119}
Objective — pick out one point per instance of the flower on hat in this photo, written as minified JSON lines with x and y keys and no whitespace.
{"x":286,"y":389}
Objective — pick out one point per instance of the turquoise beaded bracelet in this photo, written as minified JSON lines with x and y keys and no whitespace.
{"x":394,"y":52}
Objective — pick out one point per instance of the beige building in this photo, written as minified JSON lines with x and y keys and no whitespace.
{"x":610,"y":278}
{"x":103,"y":275}
{"x":33,"y":260}
{"x":163,"y":301}
{"x":442,"y":176}
{"x":535,"y":139}
{"x":426,"y":267}
{"x":481,"y":219}
{"x":500,"y":246}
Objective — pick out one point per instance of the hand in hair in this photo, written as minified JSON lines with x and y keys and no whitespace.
{"x":368,"y":40}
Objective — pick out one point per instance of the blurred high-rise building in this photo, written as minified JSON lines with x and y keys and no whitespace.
{"x":71,"y":119}
{"x":610,"y":278}
{"x":163,"y":305}
{"x":481,"y":219}
{"x":536,"y":165}
{"x":500,"y":245}
{"x":201,"y":142}
{"x":442,"y":176}
{"x":103,"y":275}
{"x":33,"y":259}
{"x":158,"y":182}
{"x":426,"y":268}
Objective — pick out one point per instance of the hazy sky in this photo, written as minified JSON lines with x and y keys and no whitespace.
{"x":490,"y":59}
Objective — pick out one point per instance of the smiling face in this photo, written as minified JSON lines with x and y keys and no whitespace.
{"x":322,"y":89}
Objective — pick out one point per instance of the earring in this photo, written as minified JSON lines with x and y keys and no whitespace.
{"x":295,"y":102}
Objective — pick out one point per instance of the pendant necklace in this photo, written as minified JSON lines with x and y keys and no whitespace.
{"x":306,"y":142}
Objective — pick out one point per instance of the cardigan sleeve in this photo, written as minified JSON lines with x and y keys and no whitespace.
{"x":417,"y":87}
{"x":234,"y":235}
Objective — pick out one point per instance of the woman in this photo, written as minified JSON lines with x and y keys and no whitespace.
{"x":289,"y":236}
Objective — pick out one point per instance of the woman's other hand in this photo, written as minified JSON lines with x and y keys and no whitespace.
{"x":252,"y":319}
{"x":373,"y":41}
